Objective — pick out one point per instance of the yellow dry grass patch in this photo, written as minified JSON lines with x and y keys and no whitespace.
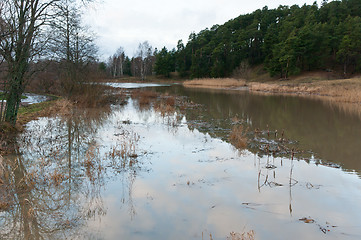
{"x":343,"y":90}
{"x":217,"y":83}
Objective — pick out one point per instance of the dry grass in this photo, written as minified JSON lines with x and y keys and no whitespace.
{"x":238,"y":137}
{"x":125,"y":151}
{"x":4,"y":206}
{"x":57,"y":178}
{"x":144,"y":97}
{"x":244,"y":236}
{"x":314,"y":84}
{"x":164,"y":108}
{"x":345,"y":90}
{"x":215,"y":83}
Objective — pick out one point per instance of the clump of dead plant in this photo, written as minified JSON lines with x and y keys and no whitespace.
{"x":57,"y":178}
{"x":144,"y":97}
{"x":164,"y":108}
{"x":124,"y":153}
{"x":238,"y":137}
{"x":244,"y":236}
{"x":4,"y":206}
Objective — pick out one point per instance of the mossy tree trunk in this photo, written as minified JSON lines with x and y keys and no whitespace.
{"x":16,"y":86}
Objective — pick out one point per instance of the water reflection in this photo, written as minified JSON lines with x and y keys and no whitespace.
{"x":331,"y":133}
{"x":49,"y":186}
{"x":143,"y":173}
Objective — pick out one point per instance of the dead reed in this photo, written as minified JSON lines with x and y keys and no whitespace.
{"x":345,"y":90}
{"x":144,"y":97}
{"x":244,"y":236}
{"x":4,"y":206}
{"x":238,"y":137}
{"x":124,"y":153}
{"x":57,"y":178}
{"x":215,"y":83}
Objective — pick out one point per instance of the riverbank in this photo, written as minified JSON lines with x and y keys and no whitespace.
{"x":339,"y":90}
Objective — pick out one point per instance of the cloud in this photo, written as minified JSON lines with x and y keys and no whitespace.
{"x":162,"y":22}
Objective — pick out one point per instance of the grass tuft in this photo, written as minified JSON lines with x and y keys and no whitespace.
{"x":238,"y":137}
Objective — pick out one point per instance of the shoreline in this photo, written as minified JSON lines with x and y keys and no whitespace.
{"x":340,"y":90}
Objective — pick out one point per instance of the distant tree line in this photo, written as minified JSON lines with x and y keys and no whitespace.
{"x":286,"y":40}
{"x":141,"y":65}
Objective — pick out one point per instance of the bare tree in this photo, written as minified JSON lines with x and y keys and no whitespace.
{"x":25,"y":22}
{"x":116,"y":63}
{"x":144,"y":59}
{"x":72,"y":44}
{"x":120,"y":61}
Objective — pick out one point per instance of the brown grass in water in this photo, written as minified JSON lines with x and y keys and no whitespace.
{"x":244,"y":236}
{"x":238,"y":137}
{"x":4,"y":206}
{"x":144,"y":98}
{"x":215,"y":83}
{"x":237,"y":236}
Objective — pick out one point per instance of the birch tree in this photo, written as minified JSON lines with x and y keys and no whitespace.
{"x":144,"y":59}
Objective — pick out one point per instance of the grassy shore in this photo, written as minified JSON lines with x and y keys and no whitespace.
{"x":339,"y":90}
{"x":215,"y":83}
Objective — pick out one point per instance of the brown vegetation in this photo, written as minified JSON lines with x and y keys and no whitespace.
{"x":215,"y":83}
{"x":345,"y":90}
{"x":144,"y":97}
{"x":238,"y":137}
{"x":314,"y":84}
{"x":244,"y":236}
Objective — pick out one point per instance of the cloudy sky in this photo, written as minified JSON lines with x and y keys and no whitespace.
{"x":162,"y":23}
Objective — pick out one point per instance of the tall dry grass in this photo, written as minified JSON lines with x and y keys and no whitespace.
{"x":238,"y":137}
{"x":244,"y":236}
{"x":144,"y":97}
{"x":345,"y":90}
{"x":215,"y":83}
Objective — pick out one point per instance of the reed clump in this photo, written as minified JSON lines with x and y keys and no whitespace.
{"x":238,"y":137}
{"x":57,"y":178}
{"x":244,"y":236}
{"x":144,"y":97}
{"x":125,"y":151}
{"x":4,"y":206}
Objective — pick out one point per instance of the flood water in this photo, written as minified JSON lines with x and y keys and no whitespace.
{"x":131,"y":172}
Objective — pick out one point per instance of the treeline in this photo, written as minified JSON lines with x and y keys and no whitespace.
{"x":286,"y":40}
{"x":141,"y":65}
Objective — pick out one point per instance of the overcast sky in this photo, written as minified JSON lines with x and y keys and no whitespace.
{"x":162,"y":23}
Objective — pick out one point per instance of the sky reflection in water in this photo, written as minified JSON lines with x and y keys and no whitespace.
{"x":187,"y":183}
{"x":201,"y":184}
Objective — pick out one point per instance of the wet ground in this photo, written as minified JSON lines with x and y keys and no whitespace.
{"x":148,"y":171}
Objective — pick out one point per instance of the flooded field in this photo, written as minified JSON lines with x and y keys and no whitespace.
{"x":165,"y":168}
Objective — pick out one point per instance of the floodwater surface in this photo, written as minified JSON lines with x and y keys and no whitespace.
{"x":132,"y":172}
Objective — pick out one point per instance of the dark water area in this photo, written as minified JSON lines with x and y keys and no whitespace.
{"x":132,"y":172}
